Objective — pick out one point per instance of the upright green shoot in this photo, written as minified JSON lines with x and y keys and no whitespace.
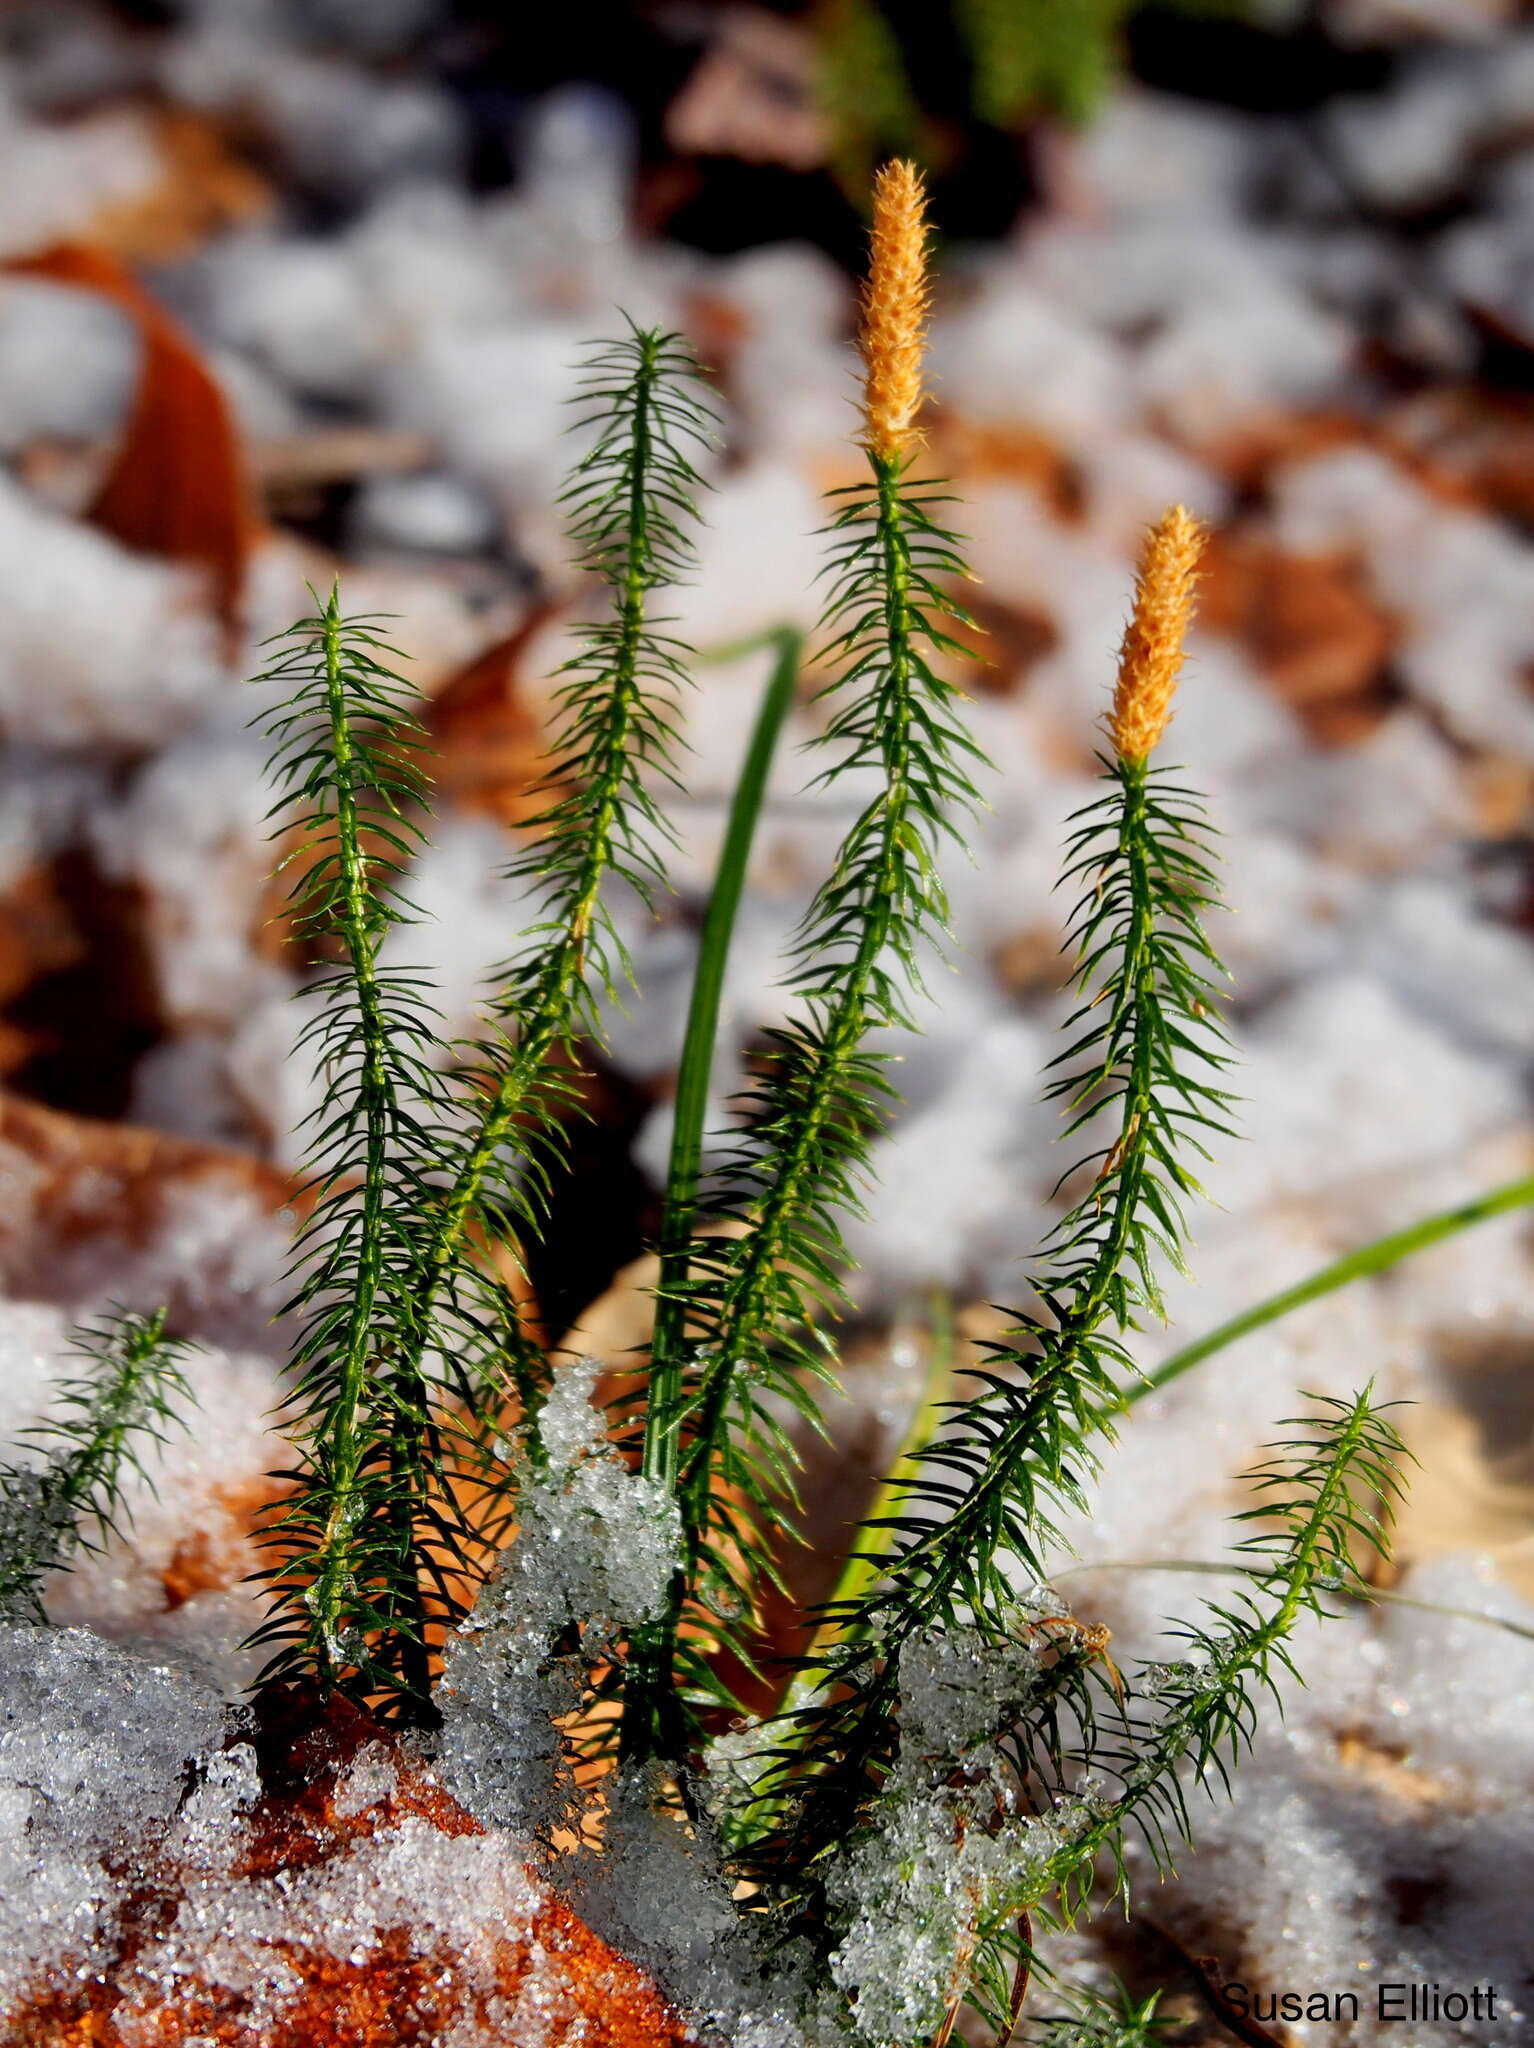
{"x":354,"y":1566}
{"x":631,"y":504}
{"x":71,"y":1498}
{"x":751,"y":1301}
{"x":976,"y":1518}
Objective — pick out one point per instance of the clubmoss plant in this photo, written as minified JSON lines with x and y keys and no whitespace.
{"x":357,"y":1539}
{"x":958,"y":1759}
{"x":69,"y":1498}
{"x":750,"y":1343}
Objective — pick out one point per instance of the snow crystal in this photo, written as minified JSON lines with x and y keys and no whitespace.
{"x":93,"y":1748}
{"x":192,"y":832}
{"x":1396,"y":1806}
{"x":172,"y":1581}
{"x":434,"y":512}
{"x":758,"y":558}
{"x":595,"y":1549}
{"x":95,"y":643}
{"x":182,"y":1086}
{"x":577,"y":162}
{"x":1190,"y":279}
{"x":943,"y":1199}
{"x":1406,"y":148}
{"x":910,"y":1887}
{"x":1393,"y":801}
{"x":1148,"y":153}
{"x":1222,"y":366}
{"x":657,"y":1889}
{"x":336,"y":128}
{"x":495,"y":399}
{"x":1018,"y":358}
{"x":1468,"y":974}
{"x":1340,"y":1077}
{"x":1462,"y":581}
{"x":56,"y":177}
{"x":298,"y":311}
{"x":1388,"y":21}
{"x":792,"y":377}
{"x":471,"y":917}
{"x":68,"y":363}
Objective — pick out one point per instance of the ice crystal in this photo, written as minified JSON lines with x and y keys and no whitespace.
{"x":93,"y":1748}
{"x":593,"y":1556}
{"x":947,"y":1847}
{"x":658,"y":1890}
{"x":35,"y":1518}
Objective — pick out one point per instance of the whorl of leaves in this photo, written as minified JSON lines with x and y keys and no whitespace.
{"x":362,"y":1540}
{"x":71,"y":1497}
{"x":1092,"y":2019}
{"x":750,"y":1303}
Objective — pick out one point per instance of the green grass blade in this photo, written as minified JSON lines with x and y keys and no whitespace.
{"x":661,"y":1457}
{"x":865,"y":1561}
{"x":1376,"y":1257}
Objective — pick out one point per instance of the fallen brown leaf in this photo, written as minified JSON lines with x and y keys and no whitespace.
{"x":1310,"y":625}
{"x":491,"y":745}
{"x":177,"y":485}
{"x":405,"y":1986}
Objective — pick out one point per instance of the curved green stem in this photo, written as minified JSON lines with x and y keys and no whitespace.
{"x":648,"y":1711}
{"x":1370,"y":1596}
{"x":661,"y":1456}
{"x":747,"y":1304}
{"x":1376,"y":1257}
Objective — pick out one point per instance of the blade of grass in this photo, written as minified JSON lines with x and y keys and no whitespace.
{"x":1370,"y":1596}
{"x":662,"y":1417}
{"x":1376,"y":1257}
{"x":865,"y":1560}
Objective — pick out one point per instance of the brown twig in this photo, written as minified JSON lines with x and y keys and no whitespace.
{"x":1209,"y":1981}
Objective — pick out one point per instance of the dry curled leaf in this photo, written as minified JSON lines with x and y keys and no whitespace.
{"x":752,"y":95}
{"x":82,"y":1188}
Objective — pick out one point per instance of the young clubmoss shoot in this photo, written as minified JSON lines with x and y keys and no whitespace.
{"x":896,"y":300}
{"x":1154,"y":648}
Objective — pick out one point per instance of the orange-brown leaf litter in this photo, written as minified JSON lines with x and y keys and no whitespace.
{"x":547,"y":1977}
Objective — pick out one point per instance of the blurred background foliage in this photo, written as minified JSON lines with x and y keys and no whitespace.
{"x":928,"y":81}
